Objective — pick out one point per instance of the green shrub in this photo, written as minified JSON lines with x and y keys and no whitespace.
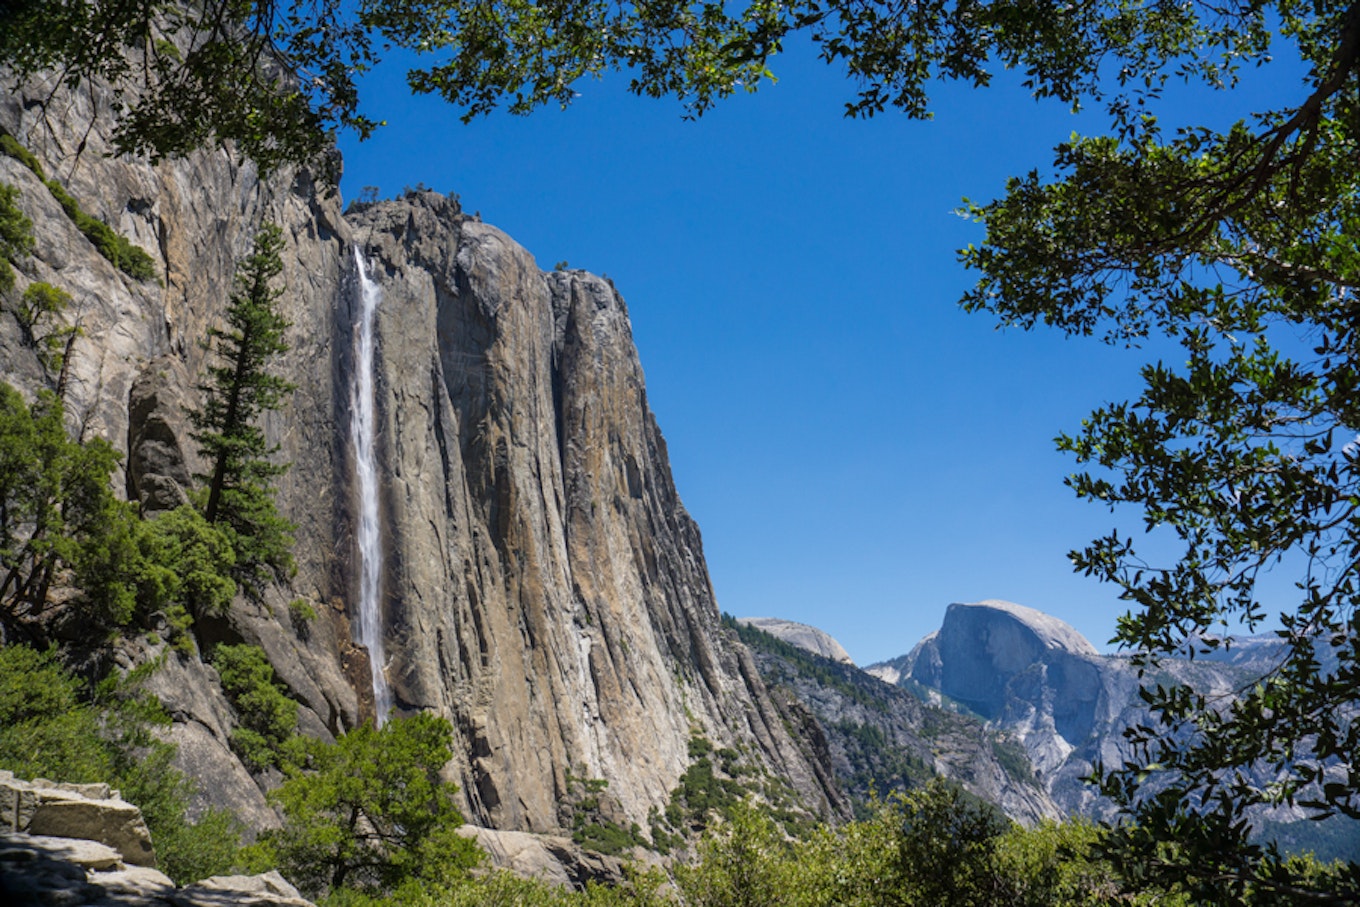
{"x":301,"y":614}
{"x":10,"y":145}
{"x":16,"y":235}
{"x":268,"y":716}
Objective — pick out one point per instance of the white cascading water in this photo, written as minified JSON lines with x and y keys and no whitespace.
{"x":368,"y":535}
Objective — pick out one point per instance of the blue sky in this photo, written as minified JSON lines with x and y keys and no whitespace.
{"x":857,"y":451}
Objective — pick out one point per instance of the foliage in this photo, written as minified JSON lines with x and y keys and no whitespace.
{"x":370,"y":813}
{"x":59,"y":519}
{"x":702,"y":794}
{"x":39,"y":303}
{"x":239,"y":497}
{"x":16,"y":235}
{"x":52,"y":725}
{"x":121,"y":253}
{"x":301,"y":613}
{"x":61,"y":526}
{"x":10,"y":147}
{"x":1239,"y":247}
{"x":131,"y":259}
{"x":268,"y":715}
{"x":746,"y":861}
{"x":208,"y":72}
{"x":946,"y":846}
{"x":183,"y":568}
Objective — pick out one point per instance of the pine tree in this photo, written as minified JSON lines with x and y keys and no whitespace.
{"x":239,"y":495}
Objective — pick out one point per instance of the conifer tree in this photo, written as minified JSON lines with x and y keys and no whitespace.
{"x":238,"y":389}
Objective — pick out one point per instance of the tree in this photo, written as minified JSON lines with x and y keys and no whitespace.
{"x":239,"y":496}
{"x":16,"y":235}
{"x":370,"y":812}
{"x":53,"y":725}
{"x":60,"y":524}
{"x":1239,"y":245}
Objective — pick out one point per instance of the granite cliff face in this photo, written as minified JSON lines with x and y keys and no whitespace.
{"x":543,"y":585}
{"x":1035,"y":677}
{"x":810,"y":639}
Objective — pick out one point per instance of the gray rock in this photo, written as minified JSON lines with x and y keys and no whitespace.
{"x":157,"y":469}
{"x":1036,"y":678}
{"x":816,"y":641}
{"x":265,"y":890}
{"x":89,"y":812}
{"x":552,"y":859}
{"x":544,"y":587}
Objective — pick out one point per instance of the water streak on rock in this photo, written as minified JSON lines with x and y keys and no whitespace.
{"x":368,"y":535}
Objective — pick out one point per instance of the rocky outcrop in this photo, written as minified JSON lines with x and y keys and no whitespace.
{"x":90,"y":812}
{"x":876,"y":738}
{"x":75,"y":844}
{"x":547,"y":858}
{"x":1038,"y":679}
{"x":544,"y":587}
{"x":813,"y":640}
{"x":40,"y":869}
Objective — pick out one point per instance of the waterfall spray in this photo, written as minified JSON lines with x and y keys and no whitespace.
{"x":363,"y":436}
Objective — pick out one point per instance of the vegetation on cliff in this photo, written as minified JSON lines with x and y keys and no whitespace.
{"x":238,"y":390}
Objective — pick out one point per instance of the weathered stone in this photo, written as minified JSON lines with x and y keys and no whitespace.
{"x":816,"y":641}
{"x":157,"y":468}
{"x":552,"y":859}
{"x":544,"y":587}
{"x":86,"y":811}
{"x":116,"y":823}
{"x":265,"y":890}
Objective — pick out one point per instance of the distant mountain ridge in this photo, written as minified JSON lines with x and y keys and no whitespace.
{"x":1038,"y":678}
{"x":816,"y":641}
{"x":873,"y":738}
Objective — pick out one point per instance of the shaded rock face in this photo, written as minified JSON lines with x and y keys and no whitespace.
{"x":981,"y":648}
{"x":543,"y":587}
{"x":813,"y":640}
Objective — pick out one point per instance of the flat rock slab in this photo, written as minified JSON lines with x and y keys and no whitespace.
{"x":41,"y":870}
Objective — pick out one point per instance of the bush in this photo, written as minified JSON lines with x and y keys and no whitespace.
{"x":53,"y":726}
{"x":10,"y":145}
{"x":16,"y":235}
{"x":268,"y":716}
{"x":369,"y":813}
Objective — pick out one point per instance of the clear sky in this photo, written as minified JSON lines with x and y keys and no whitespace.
{"x":858,"y":452}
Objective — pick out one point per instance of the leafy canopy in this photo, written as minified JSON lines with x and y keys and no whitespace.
{"x":370,"y":813}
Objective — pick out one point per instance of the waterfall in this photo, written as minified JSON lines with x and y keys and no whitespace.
{"x":368,"y":535}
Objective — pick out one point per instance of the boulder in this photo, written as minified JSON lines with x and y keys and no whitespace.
{"x":90,"y":812}
{"x":267,"y":889}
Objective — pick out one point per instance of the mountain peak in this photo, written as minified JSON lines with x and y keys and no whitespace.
{"x":1051,"y":632}
{"x":816,"y":641}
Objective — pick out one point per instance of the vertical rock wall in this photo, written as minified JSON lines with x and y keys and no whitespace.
{"x":544,"y":587}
